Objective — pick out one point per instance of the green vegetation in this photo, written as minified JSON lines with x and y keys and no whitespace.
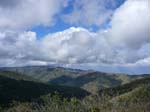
{"x":126,"y":87}
{"x":93,"y":103}
{"x":16,"y":75}
{"x":91,"y":81}
{"x":112,"y":92}
{"x":139,"y":94}
{"x":20,"y":90}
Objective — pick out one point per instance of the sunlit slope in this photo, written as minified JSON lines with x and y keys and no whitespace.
{"x":91,"y":81}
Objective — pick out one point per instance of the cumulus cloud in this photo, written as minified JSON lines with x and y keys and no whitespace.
{"x":16,"y":45}
{"x":72,"y":46}
{"x":22,"y":14}
{"x":76,"y":45}
{"x":125,"y":43}
{"x":130,"y":24}
{"x":145,"y":61}
{"x":90,"y":12}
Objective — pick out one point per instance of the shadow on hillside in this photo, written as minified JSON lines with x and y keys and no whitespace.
{"x":20,"y":90}
{"x":85,"y":79}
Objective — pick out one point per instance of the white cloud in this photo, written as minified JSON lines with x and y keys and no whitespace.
{"x":130,"y":24}
{"x":76,"y":45}
{"x":22,"y":14}
{"x":126,"y":43}
{"x":145,"y":61}
{"x":17,"y":45}
{"x":72,"y":46}
{"x":90,"y":12}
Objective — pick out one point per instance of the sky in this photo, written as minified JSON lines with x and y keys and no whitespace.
{"x":104,"y":35}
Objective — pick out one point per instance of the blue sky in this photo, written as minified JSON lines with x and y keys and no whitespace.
{"x":105,"y":35}
{"x":60,"y":25}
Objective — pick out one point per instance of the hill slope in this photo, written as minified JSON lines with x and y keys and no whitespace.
{"x":20,"y":90}
{"x":45,"y":73}
{"x":139,"y":94}
{"x":16,"y":75}
{"x":89,"y":80}
{"x":126,"y":88}
{"x":132,"y":97}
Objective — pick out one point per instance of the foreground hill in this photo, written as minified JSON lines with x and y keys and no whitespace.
{"x":21,"y":90}
{"x":116,"y":92}
{"x":138,"y":87}
{"x":91,"y":81}
{"x":131,"y":97}
{"x":139,"y":94}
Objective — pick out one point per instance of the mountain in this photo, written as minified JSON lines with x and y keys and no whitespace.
{"x":91,"y":81}
{"x":16,"y":75}
{"x":45,"y":73}
{"x":32,"y":92}
{"x":131,"y":97}
{"x":22,"y":90}
{"x":139,"y":94}
{"x":126,"y":89}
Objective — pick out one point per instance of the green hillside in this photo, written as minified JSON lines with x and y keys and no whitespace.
{"x":116,"y":92}
{"x":16,"y":75}
{"x":119,"y":90}
{"x":45,"y":73}
{"x":131,"y":97}
{"x":139,"y":94}
{"x":91,"y":81}
{"x":21,"y":90}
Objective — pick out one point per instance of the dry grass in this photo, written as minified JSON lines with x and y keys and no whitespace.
{"x":89,"y":104}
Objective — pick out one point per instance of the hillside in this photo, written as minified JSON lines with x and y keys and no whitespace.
{"x":16,"y":75}
{"x":115,"y":91}
{"x":131,"y":97}
{"x":21,"y":90}
{"x":91,"y":81}
{"x":45,"y":73}
{"x":126,"y":88}
{"x":139,"y":94}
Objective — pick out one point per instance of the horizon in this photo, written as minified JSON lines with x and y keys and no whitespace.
{"x":83,"y":69}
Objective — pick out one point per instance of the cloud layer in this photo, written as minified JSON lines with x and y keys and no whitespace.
{"x":23,"y":14}
{"x":90,"y":12}
{"x":130,"y":24}
{"x":125,"y":43}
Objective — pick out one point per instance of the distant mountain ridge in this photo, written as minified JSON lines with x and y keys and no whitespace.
{"x":16,"y":75}
{"x":91,"y":81}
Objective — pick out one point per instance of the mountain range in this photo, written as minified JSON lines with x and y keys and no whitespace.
{"x":30,"y":84}
{"x":90,"y":80}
